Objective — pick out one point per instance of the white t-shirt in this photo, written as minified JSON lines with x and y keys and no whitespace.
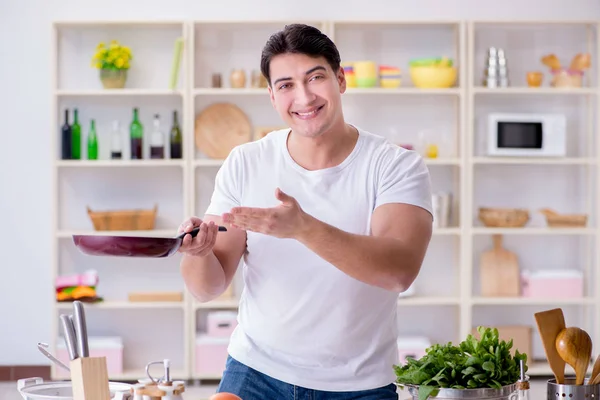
{"x":302,"y":320}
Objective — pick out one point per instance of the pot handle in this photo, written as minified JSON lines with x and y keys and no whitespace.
{"x":514,"y":396}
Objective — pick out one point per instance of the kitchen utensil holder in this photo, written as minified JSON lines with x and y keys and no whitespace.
{"x":569,"y":390}
{"x":89,"y":377}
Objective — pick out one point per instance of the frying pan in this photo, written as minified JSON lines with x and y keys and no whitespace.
{"x":132,"y":246}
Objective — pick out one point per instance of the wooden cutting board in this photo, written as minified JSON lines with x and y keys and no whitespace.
{"x":500,"y":275}
{"x":219,"y":128}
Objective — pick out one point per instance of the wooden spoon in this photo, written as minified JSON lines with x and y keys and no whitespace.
{"x":574,"y":345}
{"x":595,"y":377}
{"x":549,"y":324}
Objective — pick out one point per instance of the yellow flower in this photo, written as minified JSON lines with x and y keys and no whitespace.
{"x":119,"y":63}
{"x":100,"y":46}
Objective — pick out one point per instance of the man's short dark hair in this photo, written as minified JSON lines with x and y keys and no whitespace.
{"x":299,"y":39}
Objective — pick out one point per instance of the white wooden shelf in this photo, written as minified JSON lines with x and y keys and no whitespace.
{"x":535,"y":161}
{"x":119,"y":163}
{"x":126,"y":305}
{"x":451,"y":264}
{"x":534,"y":231}
{"x":534,"y":91}
{"x":119,"y":92}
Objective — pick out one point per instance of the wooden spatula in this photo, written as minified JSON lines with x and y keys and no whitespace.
{"x":549,"y":324}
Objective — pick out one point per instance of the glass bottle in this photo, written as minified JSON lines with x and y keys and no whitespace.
{"x":116,"y":148}
{"x":157,"y":140}
{"x":136,"y":132}
{"x":92,"y":142}
{"x":76,"y":137}
{"x":175,"y":137}
{"x":66,"y":138}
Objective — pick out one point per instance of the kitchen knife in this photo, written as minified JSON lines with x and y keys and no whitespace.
{"x":70,"y":339}
{"x":80,"y":329}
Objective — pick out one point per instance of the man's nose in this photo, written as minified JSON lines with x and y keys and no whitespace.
{"x":304,"y":95}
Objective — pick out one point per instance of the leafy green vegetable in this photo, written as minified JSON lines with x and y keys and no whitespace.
{"x":473,"y":364}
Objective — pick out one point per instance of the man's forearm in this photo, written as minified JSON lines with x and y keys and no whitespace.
{"x":204,"y":276}
{"x":379,"y":261}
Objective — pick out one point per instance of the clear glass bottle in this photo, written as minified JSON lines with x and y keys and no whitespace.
{"x":116,"y":145}
{"x":157,"y":140}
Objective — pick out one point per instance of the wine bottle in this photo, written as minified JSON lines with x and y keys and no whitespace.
{"x":92,"y":142}
{"x":175,"y":137}
{"x":66,"y":138}
{"x":136,"y":132}
{"x":76,"y":137}
{"x":116,"y":148}
{"x":157,"y":140}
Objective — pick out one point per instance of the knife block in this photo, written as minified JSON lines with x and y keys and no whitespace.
{"x":89,"y":377}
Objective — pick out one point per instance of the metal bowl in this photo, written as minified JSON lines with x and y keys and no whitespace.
{"x":37,"y":389}
{"x":508,"y":392}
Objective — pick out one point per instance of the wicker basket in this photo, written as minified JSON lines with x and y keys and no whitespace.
{"x":123,"y":220}
{"x":503,"y":217}
{"x":557,"y":220}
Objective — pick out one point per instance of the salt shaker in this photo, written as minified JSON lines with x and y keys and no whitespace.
{"x":523,"y":385}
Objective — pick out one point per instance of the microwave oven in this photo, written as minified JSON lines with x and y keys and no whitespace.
{"x":526,"y":135}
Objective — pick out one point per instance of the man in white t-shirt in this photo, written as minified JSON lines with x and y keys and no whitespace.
{"x":332,"y":223}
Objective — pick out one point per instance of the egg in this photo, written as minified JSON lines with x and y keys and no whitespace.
{"x":224,"y":396}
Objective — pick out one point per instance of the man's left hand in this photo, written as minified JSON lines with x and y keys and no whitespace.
{"x":287,"y":220}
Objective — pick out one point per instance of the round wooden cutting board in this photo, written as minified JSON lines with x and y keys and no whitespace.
{"x":219,"y":128}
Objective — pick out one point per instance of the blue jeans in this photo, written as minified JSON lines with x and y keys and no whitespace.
{"x":250,"y":384}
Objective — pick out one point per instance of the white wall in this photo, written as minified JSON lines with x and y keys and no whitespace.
{"x":25,"y":288}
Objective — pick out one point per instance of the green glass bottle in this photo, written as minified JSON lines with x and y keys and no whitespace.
{"x":92,"y":143}
{"x":136,"y":134}
{"x":76,"y":137}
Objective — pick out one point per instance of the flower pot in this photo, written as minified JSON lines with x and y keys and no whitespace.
{"x":113,"y":78}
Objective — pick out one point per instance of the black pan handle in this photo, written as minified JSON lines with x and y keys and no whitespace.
{"x":195,"y":231}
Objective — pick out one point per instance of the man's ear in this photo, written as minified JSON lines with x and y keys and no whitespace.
{"x":341,"y":77}
{"x":271,"y":96}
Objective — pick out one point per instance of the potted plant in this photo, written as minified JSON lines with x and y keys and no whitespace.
{"x":475,"y":369}
{"x":113,"y":61}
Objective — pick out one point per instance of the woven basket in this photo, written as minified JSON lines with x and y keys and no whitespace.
{"x":123,"y":220}
{"x":557,"y":220}
{"x":503,"y":217}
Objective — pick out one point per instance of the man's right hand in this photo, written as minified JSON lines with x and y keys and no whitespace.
{"x":205,"y":240}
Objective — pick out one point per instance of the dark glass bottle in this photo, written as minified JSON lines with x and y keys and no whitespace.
{"x":136,"y":132}
{"x":66,"y":138}
{"x":76,"y":137}
{"x":175,"y":137}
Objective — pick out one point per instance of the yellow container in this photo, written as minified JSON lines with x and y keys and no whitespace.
{"x":349,"y":74}
{"x":366,"y":73}
{"x":433,"y":76}
{"x":389,"y":77}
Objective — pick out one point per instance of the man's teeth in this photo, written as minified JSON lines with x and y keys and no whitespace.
{"x":308,"y":113}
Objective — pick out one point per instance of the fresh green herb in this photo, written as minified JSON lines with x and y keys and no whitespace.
{"x":473,"y":364}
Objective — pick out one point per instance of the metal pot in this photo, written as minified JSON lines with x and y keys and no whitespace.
{"x":37,"y":389}
{"x":508,"y":392}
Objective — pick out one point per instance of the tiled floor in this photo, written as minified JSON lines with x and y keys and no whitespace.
{"x":8,"y":391}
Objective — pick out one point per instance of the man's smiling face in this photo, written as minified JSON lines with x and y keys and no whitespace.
{"x":306,"y":93}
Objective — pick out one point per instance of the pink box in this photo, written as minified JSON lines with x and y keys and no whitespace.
{"x":412,"y":346}
{"x":211,"y":355}
{"x":221,"y":323}
{"x":552,"y":284}
{"x":110,"y":347}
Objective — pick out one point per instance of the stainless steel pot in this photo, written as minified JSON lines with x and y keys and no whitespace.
{"x":37,"y":389}
{"x":508,"y":392}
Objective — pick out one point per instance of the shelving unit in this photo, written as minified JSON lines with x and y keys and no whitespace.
{"x":447,"y":291}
